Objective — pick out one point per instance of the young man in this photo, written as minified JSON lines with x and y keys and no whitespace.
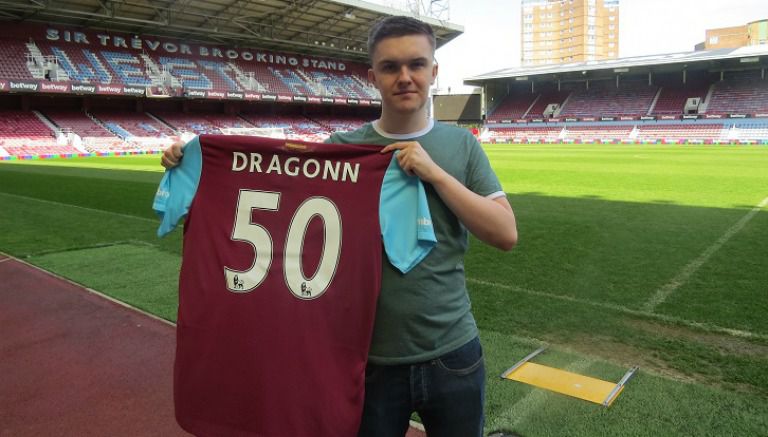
{"x":425,"y":355}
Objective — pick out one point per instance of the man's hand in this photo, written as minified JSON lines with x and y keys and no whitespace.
{"x":414,"y":160}
{"x":172,"y":155}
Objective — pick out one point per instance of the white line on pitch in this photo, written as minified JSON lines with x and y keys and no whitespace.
{"x":682,"y":277}
{"x":623,"y":309}
{"x":51,"y":202}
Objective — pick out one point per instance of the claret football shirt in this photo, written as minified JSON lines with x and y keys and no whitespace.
{"x":280,"y":276}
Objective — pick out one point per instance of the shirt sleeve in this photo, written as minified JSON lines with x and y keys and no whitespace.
{"x":178,"y":187}
{"x":480,"y":177}
{"x":406,"y":224}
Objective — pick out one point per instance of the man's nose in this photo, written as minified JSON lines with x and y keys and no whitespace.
{"x":404,"y":74}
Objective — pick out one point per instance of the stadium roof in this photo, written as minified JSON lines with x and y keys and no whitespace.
{"x":714,"y":60}
{"x":336,"y":28}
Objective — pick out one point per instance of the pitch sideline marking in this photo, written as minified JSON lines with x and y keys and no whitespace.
{"x":623,"y":309}
{"x":51,"y":202}
{"x":92,"y":291}
{"x":685,"y":274}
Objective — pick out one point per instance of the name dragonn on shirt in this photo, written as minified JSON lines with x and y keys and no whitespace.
{"x":311,"y":168}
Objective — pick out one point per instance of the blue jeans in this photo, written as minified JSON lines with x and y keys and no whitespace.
{"x":447,"y":392}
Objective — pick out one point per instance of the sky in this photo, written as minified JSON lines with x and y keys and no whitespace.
{"x":491,"y":38}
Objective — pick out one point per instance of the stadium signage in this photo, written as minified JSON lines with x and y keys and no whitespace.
{"x":554,"y":120}
{"x":83,"y":89}
{"x":588,"y":119}
{"x":647,"y":117}
{"x":132,"y":90}
{"x":235,"y":95}
{"x":353,"y":101}
{"x":737,"y":115}
{"x":3,"y":85}
{"x":365,"y":102}
{"x":24,"y":86}
{"x":314,"y":100}
{"x":216,"y":94}
{"x":755,"y":115}
{"x":194,"y":93}
{"x":519,"y":120}
{"x":173,"y":47}
{"x":571,"y":119}
{"x":106,"y":89}
{"x":669,"y":117}
{"x":269,"y":97}
{"x":376,"y":102}
{"x":302,"y":99}
{"x":607,"y":118}
{"x":713,"y":116}
{"x":690,"y":116}
{"x":340,"y":100}
{"x":52,"y":87}
{"x":627,"y":117}
{"x":326,"y":100}
{"x":537,"y":120}
{"x":281,"y":98}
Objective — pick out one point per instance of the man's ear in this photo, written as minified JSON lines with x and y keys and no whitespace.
{"x":371,"y":76}
{"x":434,"y":73}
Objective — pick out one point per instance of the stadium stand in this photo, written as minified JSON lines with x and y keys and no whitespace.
{"x":84,"y":131}
{"x":190,"y":72}
{"x":693,"y":132}
{"x":294,"y":126}
{"x":672,"y":98}
{"x":597,"y":132}
{"x":513,"y":107}
{"x":545,"y":99}
{"x":23,"y":133}
{"x":739,"y":93}
{"x":14,"y":65}
{"x":201,"y":123}
{"x":526,"y":133}
{"x":605,"y":99}
{"x":132,"y":124}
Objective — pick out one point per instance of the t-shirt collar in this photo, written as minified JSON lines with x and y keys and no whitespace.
{"x":380,"y":131}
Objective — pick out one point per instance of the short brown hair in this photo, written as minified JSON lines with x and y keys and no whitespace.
{"x":394,"y":26}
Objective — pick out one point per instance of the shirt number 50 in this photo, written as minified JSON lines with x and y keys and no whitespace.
{"x":303,"y":287}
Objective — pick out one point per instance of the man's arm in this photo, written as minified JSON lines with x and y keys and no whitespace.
{"x":490,"y":220}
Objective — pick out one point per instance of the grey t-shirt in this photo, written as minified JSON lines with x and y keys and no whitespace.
{"x":426,"y":313}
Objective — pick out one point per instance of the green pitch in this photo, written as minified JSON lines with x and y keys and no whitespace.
{"x":649,"y":255}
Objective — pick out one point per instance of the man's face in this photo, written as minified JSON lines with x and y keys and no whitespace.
{"x":402,"y":71}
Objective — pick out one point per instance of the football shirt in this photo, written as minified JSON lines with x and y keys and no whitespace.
{"x":279,"y":280}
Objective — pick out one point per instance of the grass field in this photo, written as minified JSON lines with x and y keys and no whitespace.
{"x":647,"y":255}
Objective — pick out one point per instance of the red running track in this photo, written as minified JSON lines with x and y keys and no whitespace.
{"x":73,"y":363}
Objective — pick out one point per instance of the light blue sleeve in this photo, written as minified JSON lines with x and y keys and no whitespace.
{"x":406,"y":224}
{"x":178,"y":187}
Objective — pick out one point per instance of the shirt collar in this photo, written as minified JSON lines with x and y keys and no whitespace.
{"x":380,"y":131}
